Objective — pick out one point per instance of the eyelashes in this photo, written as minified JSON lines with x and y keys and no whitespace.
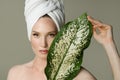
{"x":36,"y":35}
{"x":50,"y":35}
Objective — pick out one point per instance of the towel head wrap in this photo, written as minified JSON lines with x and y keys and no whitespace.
{"x":34,"y":9}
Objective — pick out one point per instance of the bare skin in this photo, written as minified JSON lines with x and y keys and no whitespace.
{"x":43,"y":34}
{"x":105,"y":38}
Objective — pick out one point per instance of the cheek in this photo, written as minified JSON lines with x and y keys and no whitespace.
{"x":50,"y":41}
{"x":34,"y":44}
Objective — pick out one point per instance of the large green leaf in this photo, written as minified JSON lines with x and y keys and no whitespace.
{"x":66,"y":52}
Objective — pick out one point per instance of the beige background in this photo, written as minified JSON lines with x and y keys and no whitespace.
{"x":15,"y":48}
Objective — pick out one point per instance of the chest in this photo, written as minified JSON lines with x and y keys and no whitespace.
{"x":32,"y":76}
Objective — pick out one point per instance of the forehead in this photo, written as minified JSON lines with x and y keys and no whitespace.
{"x":45,"y":24}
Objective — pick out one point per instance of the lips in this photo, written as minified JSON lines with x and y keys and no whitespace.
{"x":43,"y":51}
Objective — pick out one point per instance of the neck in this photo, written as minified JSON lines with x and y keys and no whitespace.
{"x":39,"y":64}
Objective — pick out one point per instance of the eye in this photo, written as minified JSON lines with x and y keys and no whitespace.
{"x":52,"y":35}
{"x":35,"y":34}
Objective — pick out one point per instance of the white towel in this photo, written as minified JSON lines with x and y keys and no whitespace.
{"x":34,"y":9}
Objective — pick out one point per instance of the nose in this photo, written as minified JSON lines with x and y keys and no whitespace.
{"x":43,"y":42}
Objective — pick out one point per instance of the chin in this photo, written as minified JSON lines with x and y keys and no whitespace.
{"x":42,"y":56}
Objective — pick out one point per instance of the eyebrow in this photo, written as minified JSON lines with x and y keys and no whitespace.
{"x":34,"y":31}
{"x":47,"y":32}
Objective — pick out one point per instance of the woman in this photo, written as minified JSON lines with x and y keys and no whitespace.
{"x":42,"y":29}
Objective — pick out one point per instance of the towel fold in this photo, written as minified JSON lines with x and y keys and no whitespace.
{"x":34,"y":9}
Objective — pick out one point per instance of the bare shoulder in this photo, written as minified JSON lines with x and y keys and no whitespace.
{"x":84,"y":74}
{"x":16,"y":71}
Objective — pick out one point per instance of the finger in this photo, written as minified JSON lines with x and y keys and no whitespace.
{"x":103,"y":26}
{"x":95,"y":34}
{"x":99,"y":23}
{"x":93,"y":21}
{"x":99,"y":28}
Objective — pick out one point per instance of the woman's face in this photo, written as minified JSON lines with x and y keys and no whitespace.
{"x":43,"y":33}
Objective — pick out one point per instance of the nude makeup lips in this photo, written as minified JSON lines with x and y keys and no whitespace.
{"x":43,"y":51}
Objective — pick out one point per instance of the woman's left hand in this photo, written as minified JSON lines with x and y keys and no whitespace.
{"x":101,"y":32}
